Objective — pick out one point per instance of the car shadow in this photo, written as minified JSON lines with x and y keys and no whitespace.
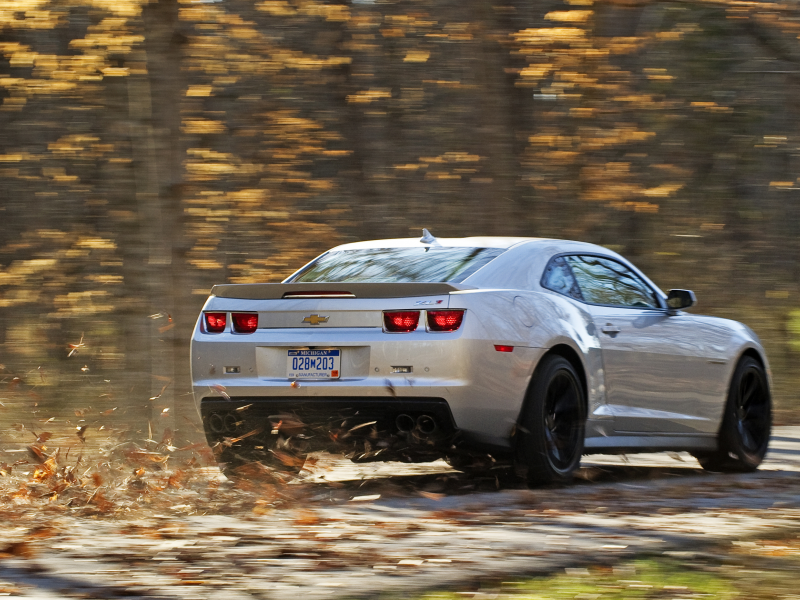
{"x":442,"y":483}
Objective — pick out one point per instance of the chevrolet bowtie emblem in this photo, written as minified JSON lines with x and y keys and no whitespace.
{"x":315,"y":319}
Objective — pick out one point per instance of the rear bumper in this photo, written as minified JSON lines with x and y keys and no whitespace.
{"x":482,"y":388}
{"x":327,"y":412}
{"x":365,"y":429}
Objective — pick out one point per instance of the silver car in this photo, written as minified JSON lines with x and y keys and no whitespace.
{"x":530,"y":351}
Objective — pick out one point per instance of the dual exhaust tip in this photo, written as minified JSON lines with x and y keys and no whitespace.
{"x":223,"y":423}
{"x":425,"y":424}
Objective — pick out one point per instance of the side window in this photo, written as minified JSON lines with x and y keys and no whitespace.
{"x":559,"y":278}
{"x":605,"y":281}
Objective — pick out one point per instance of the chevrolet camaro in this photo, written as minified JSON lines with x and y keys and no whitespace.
{"x":530,"y":351}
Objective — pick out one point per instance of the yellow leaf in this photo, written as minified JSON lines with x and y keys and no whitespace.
{"x":198,"y":91}
{"x":569,"y":16}
{"x":417,"y":56}
{"x":116,"y":72}
{"x":662,"y":191}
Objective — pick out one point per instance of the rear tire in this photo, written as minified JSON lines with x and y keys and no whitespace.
{"x":550,"y":432}
{"x":746,"y":424}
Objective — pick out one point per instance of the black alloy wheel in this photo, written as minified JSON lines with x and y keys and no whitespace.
{"x":549,"y":437}
{"x":746,"y":425}
{"x":562,"y":414}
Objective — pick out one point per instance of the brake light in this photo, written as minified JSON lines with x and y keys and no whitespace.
{"x":215,"y":322}
{"x":244,"y":322}
{"x":445,"y":320}
{"x":319,"y":294}
{"x":401,"y":321}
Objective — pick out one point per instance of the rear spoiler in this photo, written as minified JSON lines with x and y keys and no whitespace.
{"x":277,"y":291}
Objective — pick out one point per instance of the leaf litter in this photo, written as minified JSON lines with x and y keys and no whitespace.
{"x":102,"y":490}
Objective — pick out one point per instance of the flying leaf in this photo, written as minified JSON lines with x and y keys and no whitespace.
{"x":220,"y":389}
{"x":36,"y":453}
{"x":73,"y":348}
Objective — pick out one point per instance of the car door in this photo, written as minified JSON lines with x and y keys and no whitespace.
{"x":658,"y":373}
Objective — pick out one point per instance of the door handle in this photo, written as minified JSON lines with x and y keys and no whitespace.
{"x":610,"y":329}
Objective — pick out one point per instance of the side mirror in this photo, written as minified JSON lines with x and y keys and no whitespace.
{"x":678,"y":299}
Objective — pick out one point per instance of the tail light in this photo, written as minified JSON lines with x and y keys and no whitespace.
{"x":215,"y":322}
{"x":445,"y":320}
{"x":244,"y":322}
{"x":401,"y":321}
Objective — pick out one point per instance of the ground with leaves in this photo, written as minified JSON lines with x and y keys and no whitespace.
{"x":149,"y":518}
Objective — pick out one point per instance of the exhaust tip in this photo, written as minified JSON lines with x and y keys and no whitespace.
{"x":215,"y":423}
{"x":231,"y":424}
{"x":426,"y":424}
{"x":404,"y":423}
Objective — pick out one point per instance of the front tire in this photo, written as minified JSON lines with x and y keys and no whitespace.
{"x":550,"y":432}
{"x":746,"y":424}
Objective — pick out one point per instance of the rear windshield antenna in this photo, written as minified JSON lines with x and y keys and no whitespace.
{"x":427,"y":237}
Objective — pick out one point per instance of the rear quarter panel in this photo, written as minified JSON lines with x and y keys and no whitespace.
{"x":534,"y":323}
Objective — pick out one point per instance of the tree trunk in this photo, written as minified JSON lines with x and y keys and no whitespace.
{"x":155,"y":92}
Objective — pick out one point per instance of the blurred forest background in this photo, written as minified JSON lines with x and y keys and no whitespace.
{"x":149,"y":150}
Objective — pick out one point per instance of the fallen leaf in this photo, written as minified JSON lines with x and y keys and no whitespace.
{"x":289,"y":459}
{"x":176,"y":480}
{"x":37,"y":454}
{"x":20,"y":549}
{"x":307,"y":517}
{"x":431,"y":495}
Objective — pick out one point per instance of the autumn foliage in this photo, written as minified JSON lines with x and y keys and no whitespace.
{"x":152,"y":149}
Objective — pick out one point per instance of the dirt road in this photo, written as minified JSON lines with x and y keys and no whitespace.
{"x":363,"y":530}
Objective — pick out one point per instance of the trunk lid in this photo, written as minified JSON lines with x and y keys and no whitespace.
{"x":320,"y":306}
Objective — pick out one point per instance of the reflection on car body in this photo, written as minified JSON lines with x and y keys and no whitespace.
{"x":533,"y":351}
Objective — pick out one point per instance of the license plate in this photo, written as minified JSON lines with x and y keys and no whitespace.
{"x":313,"y":364}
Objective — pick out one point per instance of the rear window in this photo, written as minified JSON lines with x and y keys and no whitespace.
{"x":397,"y":265}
